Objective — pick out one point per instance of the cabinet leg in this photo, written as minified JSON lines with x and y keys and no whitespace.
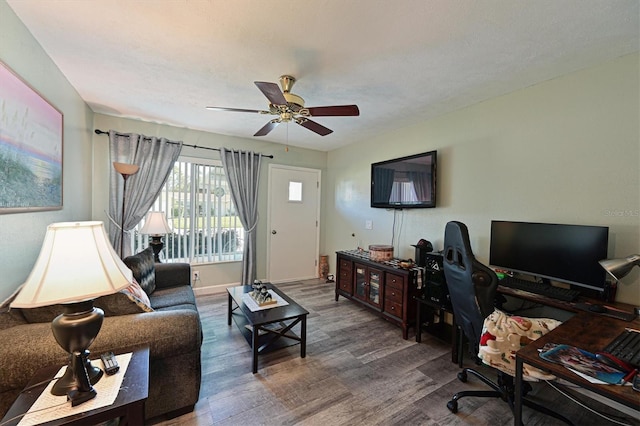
{"x":418,"y":322}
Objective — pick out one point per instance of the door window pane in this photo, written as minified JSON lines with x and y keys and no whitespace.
{"x":295,"y":191}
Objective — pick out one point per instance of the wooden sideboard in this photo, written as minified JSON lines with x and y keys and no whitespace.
{"x":385,"y":288}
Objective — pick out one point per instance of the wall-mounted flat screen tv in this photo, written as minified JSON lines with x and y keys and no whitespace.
{"x":404,"y":183}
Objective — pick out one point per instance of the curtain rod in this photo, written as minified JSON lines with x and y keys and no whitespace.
{"x":102,"y":132}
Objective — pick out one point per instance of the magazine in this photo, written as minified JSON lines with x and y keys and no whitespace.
{"x":583,"y":362}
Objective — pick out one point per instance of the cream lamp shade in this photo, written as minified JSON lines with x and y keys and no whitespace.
{"x":76,"y":263}
{"x":155,"y":224}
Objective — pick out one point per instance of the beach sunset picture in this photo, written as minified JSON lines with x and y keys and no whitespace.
{"x":30,"y":148}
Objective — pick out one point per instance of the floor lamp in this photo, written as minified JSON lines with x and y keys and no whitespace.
{"x":125,"y":170}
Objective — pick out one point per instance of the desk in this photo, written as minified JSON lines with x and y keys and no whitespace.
{"x":587,"y":331}
{"x":581,"y":304}
{"x":129,"y":403}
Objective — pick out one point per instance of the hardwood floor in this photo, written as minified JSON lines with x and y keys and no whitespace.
{"x":358,"y":371}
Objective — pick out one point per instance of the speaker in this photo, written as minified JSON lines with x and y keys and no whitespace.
{"x":436,"y":288}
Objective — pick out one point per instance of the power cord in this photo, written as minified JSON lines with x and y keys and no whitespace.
{"x":19,"y":416}
{"x":583,"y":406}
{"x":35,"y":385}
{"x":28,"y":388}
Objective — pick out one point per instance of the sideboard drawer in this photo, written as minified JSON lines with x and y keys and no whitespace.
{"x":395,"y":281}
{"x":393,"y":308}
{"x":345,"y":265}
{"x":345,"y":282}
{"x":393,"y":294}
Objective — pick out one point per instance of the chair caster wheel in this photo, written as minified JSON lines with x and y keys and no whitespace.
{"x":462,"y":376}
{"x":452,"y":406}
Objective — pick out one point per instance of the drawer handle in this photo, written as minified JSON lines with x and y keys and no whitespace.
{"x":393,"y":308}
{"x":393,"y":293}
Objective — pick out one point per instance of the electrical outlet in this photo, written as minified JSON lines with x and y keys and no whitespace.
{"x":368,"y":224}
{"x":196,"y":275}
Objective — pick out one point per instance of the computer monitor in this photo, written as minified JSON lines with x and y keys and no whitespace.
{"x":558,"y":252}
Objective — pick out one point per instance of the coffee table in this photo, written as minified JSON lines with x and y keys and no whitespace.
{"x":258,"y":326}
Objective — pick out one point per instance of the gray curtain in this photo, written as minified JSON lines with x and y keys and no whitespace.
{"x":156,"y":157}
{"x":243,"y":173}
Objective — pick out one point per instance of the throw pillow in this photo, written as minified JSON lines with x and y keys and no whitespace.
{"x":131,"y":300}
{"x":42,"y":314}
{"x":137,"y":295}
{"x":143,"y":267}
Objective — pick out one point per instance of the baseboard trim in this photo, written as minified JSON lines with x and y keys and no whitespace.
{"x":222,"y":288}
{"x":213,"y":289}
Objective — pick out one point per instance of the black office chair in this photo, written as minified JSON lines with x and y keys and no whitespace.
{"x":472,"y":288}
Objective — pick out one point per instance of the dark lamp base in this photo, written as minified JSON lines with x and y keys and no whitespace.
{"x":83,"y":392}
{"x":157,"y":245}
{"x":75,"y":330}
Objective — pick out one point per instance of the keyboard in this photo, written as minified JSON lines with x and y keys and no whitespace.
{"x":626,"y":347}
{"x":564,"y":294}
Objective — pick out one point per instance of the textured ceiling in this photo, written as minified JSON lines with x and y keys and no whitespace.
{"x":400,"y":61}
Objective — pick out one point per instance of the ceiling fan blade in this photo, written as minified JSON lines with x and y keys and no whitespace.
{"x":336,"y":110}
{"x":314,"y":127}
{"x":272,"y":92}
{"x":267,"y":128}
{"x":236,"y":110}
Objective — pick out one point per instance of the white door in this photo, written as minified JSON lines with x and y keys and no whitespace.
{"x":294,"y":217}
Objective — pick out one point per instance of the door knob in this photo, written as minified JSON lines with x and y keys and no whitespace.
{"x":274,"y":232}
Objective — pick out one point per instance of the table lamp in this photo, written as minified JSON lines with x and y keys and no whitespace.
{"x":156,"y":225}
{"x":619,"y":268}
{"x":76,"y":265}
{"x":125,"y":170}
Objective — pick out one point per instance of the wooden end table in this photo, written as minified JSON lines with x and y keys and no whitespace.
{"x":129,"y":404}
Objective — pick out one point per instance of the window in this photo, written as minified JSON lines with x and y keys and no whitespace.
{"x":197,"y":201}
{"x":295,"y":191}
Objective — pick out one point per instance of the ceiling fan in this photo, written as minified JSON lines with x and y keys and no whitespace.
{"x":290,"y":107}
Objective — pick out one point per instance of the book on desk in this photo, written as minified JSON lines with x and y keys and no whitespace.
{"x":583,"y":363}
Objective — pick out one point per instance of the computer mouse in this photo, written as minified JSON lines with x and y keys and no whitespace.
{"x":598,"y":308}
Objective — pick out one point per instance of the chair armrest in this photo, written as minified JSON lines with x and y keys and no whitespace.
{"x":172,"y":274}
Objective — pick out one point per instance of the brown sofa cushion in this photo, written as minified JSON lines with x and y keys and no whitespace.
{"x":131,"y":300}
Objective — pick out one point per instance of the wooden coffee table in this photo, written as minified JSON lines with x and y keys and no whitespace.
{"x":129,"y":404}
{"x":269,"y":329}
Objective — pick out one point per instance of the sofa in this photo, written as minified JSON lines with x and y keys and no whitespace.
{"x":163,"y":316}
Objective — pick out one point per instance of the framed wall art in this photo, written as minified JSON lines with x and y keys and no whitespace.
{"x":30,"y":148}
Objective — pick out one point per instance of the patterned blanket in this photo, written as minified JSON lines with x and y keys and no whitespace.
{"x":504,"y":334}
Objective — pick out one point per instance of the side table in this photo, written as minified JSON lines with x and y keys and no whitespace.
{"x":129,"y":404}
{"x":456,"y":335}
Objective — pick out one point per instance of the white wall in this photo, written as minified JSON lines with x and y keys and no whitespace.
{"x":211,"y":274}
{"x":564,"y":151}
{"x":22,"y":233}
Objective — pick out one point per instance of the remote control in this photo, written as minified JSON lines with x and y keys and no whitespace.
{"x":110,"y":363}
